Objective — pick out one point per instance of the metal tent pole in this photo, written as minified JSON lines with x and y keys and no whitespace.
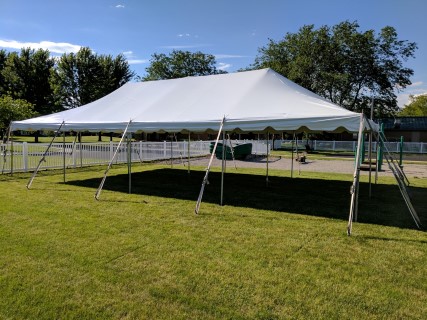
{"x":129,"y":160}
{"x":188,"y":151}
{"x":266,"y":177}
{"x":5,"y":150}
{"x":81,"y":150}
{"x":63,"y":154}
{"x":292,"y":156}
{"x":172,"y":149}
{"x":205,"y":179}
{"x":232,"y":151}
{"x":101,"y":185}
{"x":223,"y":167}
{"x":354,"y":187}
{"x":370,"y":151}
{"x":44,"y":156}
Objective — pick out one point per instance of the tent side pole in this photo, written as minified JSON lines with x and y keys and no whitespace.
{"x":353,"y":189}
{"x":129,"y":160}
{"x":43,"y":158}
{"x":11,"y":152}
{"x":5,"y":150}
{"x":172,"y":150}
{"x":232,"y":151}
{"x":188,"y":151}
{"x":292,"y":156}
{"x":81,"y":150}
{"x":63,"y":155}
{"x":224,"y":148}
{"x":266,"y":175}
{"x":205,"y":179}
{"x":370,"y":151}
{"x":101,"y":185}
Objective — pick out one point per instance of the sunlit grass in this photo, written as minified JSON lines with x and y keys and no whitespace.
{"x":272,"y":252}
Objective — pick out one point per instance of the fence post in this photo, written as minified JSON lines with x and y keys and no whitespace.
{"x":164,"y":149}
{"x":25,"y":156}
{"x":421,"y":148}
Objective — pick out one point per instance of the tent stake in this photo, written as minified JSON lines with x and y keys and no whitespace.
{"x":98,"y":191}
{"x":44,"y":156}
{"x":205,"y":179}
{"x":354,"y":187}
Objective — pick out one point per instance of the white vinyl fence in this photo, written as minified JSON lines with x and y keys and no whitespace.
{"x":26,"y":156}
{"x":318,"y":145}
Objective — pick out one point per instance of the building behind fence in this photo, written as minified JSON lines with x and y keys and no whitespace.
{"x":26,"y":156}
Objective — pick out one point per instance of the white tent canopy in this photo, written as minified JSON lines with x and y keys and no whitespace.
{"x":252,"y":101}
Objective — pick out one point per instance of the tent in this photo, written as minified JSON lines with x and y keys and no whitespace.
{"x":252,"y":101}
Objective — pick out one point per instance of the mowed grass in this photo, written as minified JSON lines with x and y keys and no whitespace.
{"x":276,"y":252}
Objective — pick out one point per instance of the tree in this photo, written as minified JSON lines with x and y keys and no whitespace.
{"x":417,"y":107}
{"x":344,"y":65}
{"x":13,"y":110}
{"x":3,"y":58}
{"x":180,"y":64}
{"x":26,"y":76}
{"x":85,"y":77}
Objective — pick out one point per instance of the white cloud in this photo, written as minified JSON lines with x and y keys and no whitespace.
{"x":138,"y":61}
{"x":182,"y":35}
{"x":416,"y":84}
{"x":120,"y":6}
{"x":128,"y":53}
{"x":54,"y":47}
{"x":223,"y":66}
{"x":228,"y":56}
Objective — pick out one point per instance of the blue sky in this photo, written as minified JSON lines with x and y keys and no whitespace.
{"x":232,"y":30}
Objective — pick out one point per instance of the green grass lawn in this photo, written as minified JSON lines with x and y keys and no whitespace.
{"x":276,"y":252}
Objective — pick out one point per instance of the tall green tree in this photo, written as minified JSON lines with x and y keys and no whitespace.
{"x":13,"y":110}
{"x":347,"y":66}
{"x":180,"y":64}
{"x":85,"y":77}
{"x":26,"y":76}
{"x":3,"y":58}
{"x":417,"y":107}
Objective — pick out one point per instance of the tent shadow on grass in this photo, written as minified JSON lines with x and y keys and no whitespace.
{"x":314,"y":197}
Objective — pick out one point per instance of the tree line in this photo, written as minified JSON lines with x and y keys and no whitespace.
{"x":347,"y":66}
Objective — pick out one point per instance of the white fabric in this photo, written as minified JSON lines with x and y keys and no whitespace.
{"x":252,"y":101}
